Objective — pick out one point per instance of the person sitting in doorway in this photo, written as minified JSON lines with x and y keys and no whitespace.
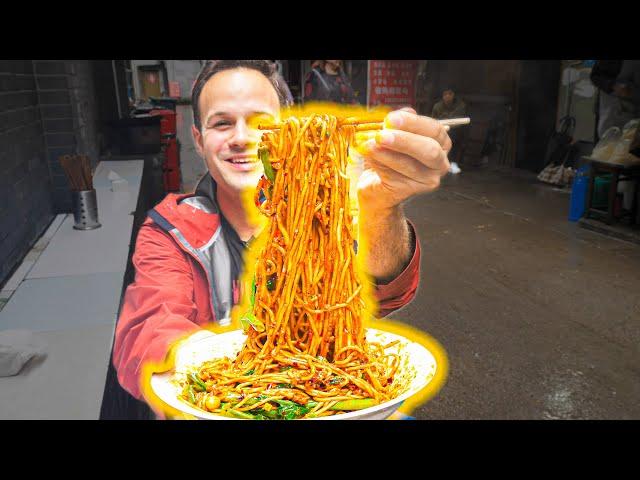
{"x":452,"y":106}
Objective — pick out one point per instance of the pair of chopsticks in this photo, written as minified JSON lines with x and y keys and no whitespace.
{"x":77,"y":169}
{"x":363,"y":125}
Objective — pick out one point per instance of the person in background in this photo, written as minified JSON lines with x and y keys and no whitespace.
{"x":327,"y":82}
{"x":452,"y":106}
{"x":628,"y":82}
{"x":618,"y":83}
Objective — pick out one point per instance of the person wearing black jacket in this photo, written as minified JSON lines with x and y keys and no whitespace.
{"x":615,"y":105}
{"x":327,"y":82}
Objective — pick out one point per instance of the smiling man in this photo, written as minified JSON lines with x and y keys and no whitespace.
{"x":188,"y":255}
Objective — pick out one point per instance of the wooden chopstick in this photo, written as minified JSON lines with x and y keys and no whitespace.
{"x":366,"y":125}
{"x":78,"y":171}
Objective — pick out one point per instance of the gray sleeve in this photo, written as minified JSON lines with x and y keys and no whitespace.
{"x":630,"y":76}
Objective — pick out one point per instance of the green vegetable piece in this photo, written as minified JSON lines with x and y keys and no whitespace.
{"x":192,"y":397}
{"x":198,"y":384}
{"x":271,"y":414}
{"x":250,"y":372}
{"x":253,"y":291}
{"x":269,"y":172}
{"x":336,"y":380}
{"x":271,"y":282}
{"x":290,"y":410}
{"x":357,"y":404}
{"x":250,"y":320}
{"x":239,"y":414}
{"x":284,"y":385}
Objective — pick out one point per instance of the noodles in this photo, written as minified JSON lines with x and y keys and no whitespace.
{"x":305,"y":354}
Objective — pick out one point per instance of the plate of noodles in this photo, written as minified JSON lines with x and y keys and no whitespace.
{"x":416,"y":369}
{"x":303,"y":351}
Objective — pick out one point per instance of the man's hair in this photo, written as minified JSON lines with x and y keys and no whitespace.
{"x":211,"y":67}
{"x":448,"y":88}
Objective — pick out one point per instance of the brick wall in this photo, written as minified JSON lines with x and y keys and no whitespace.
{"x":25,"y":182}
{"x":47,"y":109}
{"x":52,"y":80}
{"x":67,"y":103}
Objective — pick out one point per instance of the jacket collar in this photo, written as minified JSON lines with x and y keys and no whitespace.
{"x":195,"y":216}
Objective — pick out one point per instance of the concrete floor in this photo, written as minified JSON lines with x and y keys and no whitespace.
{"x":540,"y":318}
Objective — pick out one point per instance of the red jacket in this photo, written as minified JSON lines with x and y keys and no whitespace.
{"x":176,"y":289}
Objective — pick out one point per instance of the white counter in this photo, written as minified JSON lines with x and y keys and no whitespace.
{"x":70,"y":300}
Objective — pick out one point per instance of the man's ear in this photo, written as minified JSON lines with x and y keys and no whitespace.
{"x":197,"y":140}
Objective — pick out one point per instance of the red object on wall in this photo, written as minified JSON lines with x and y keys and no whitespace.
{"x":168,"y":124}
{"x":169,"y":141}
{"x":393,"y":82}
{"x":171,"y":179}
{"x":172,"y":160}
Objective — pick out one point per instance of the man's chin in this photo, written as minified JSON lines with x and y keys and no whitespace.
{"x":246,"y":180}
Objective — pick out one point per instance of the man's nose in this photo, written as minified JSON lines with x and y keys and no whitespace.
{"x":242,"y":135}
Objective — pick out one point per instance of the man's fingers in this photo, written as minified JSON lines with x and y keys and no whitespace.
{"x":400,"y":182}
{"x":425,"y":126}
{"x":424,"y":149}
{"x":433,"y":161}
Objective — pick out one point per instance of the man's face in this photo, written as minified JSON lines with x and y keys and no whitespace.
{"x":447,"y":96}
{"x":229,"y":146}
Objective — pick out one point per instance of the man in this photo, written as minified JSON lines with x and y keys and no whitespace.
{"x":188,"y":255}
{"x":604,"y":76}
{"x":326,"y":82}
{"x":618,"y":83}
{"x":452,"y":107}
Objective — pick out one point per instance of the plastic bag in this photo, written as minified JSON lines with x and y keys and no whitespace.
{"x":621,"y":151}
{"x":607,"y":144}
{"x":615,"y":145}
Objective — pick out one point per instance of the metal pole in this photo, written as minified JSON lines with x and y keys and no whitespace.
{"x":115,"y":81}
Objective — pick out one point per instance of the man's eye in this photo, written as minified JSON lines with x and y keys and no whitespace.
{"x":221,"y":123}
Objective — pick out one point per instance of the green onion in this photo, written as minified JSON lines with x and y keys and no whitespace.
{"x":250,"y":320}
{"x":357,"y":404}
{"x":198,"y":383}
{"x":269,"y":172}
{"x":253,"y":291}
{"x":239,"y":414}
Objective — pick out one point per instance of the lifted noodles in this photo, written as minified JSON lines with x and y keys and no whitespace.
{"x":305,"y":355}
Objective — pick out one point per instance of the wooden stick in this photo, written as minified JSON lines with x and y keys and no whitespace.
{"x":366,"y":125}
{"x":455,"y":121}
{"x":86,"y":173}
{"x":77,"y":169}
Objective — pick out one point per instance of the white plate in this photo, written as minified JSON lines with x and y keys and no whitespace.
{"x":417,"y":362}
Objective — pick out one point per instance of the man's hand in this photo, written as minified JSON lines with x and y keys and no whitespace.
{"x":407,"y":158}
{"x":621,"y":90}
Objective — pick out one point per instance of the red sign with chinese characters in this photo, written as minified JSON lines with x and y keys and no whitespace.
{"x":393,"y":82}
{"x":174,"y":89}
